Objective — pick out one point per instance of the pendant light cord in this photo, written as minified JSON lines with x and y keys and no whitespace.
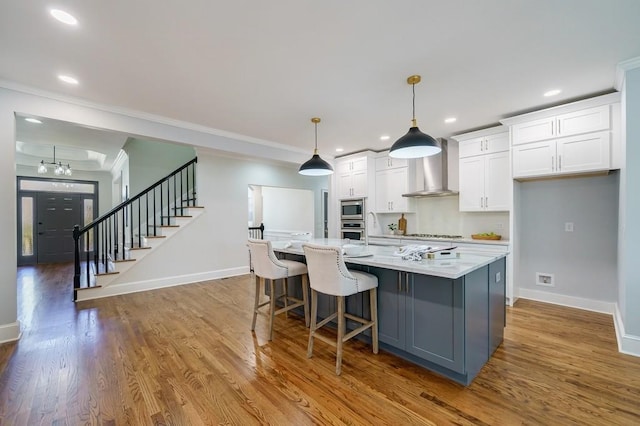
{"x":413,"y":87}
{"x":316,"y":131}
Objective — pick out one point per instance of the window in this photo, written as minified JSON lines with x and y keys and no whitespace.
{"x":26,"y":237}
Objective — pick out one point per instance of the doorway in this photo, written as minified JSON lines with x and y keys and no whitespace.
{"x":48,"y":209}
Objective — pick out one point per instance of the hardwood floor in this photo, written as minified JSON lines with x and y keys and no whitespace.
{"x":186,"y":356}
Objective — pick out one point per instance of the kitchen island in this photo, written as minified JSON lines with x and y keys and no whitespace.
{"x":445,"y":315}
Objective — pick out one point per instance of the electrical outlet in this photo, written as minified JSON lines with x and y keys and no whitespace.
{"x":545,"y":279}
{"x":568,"y":227}
{"x":499,"y":226}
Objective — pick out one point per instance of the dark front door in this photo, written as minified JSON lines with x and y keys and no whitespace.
{"x":57,"y":213}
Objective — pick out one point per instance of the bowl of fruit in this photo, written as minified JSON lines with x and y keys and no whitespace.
{"x":486,"y":236}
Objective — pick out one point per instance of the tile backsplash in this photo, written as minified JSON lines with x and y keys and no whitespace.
{"x":440,"y":215}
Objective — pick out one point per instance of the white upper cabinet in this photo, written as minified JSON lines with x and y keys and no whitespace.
{"x":351,"y":175}
{"x":485,"y":170}
{"x":386,"y":162}
{"x":390,"y":185}
{"x":571,"y":155}
{"x":581,"y":137}
{"x":484,"y":145}
{"x":573,"y":123}
{"x":392,"y":180}
{"x":485,"y":183}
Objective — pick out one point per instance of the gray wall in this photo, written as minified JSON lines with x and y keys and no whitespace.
{"x":150,"y":161}
{"x":630,"y":210}
{"x":584,"y":262}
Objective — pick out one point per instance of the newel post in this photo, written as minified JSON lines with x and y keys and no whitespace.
{"x":76,"y":270}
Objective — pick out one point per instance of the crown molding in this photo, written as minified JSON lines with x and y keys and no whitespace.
{"x":621,"y":70}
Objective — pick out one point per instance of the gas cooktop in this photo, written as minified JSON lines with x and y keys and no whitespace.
{"x":436,"y":236}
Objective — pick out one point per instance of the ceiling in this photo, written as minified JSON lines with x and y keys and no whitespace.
{"x":263,"y":69}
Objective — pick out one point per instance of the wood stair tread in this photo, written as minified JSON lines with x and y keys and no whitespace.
{"x":106,"y":273}
{"x":137,"y":248}
{"x":88,"y":288}
{"x":155,"y":236}
{"x":123,"y":260}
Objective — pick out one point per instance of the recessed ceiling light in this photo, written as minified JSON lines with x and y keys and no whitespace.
{"x":450,"y":120}
{"x":339,"y":149}
{"x":552,"y":92}
{"x":33,"y":120}
{"x":384,"y":137}
{"x":64,"y":17}
{"x":68,"y":79}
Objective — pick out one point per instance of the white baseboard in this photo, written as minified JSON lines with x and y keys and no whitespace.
{"x":135,"y":287}
{"x":627,"y":344}
{"x":10,"y":332}
{"x":569,"y":301}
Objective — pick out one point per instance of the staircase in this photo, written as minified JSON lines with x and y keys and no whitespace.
{"x":116,"y":243}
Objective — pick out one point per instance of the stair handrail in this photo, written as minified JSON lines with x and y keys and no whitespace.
{"x":135,"y":197}
{"x":78,"y":232}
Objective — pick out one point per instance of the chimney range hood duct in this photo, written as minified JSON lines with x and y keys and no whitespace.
{"x":436,"y":174}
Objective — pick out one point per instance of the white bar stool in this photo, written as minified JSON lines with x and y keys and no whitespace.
{"x":329,"y":275}
{"x":267,"y":266}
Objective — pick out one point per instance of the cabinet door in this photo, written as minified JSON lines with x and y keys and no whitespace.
{"x":435,"y":320}
{"x":359,"y":164}
{"x":398,"y":185}
{"x":391,"y":307}
{"x":390,"y":185}
{"x":359,"y":183}
{"x":471,"y":184}
{"x":497,"y":185}
{"x":385,"y":163}
{"x":471,"y":147}
{"x":588,"y":120}
{"x":497,"y":311}
{"x":531,"y":131}
{"x":534,"y":159}
{"x":344,"y":185}
{"x":584,"y":153}
{"x":383,"y":201}
{"x":496,"y":143}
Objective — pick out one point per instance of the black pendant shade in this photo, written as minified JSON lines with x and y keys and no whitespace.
{"x":316,"y":166}
{"x":414,"y":144}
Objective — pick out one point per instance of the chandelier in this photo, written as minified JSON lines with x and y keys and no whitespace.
{"x":59,"y":169}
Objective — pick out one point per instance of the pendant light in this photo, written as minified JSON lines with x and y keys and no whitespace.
{"x":316,"y":166}
{"x":414,"y":144}
{"x":59,"y":170}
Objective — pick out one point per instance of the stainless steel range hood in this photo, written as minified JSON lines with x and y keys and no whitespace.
{"x":436,"y":174}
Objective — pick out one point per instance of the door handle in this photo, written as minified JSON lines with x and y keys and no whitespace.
{"x":40,"y":233}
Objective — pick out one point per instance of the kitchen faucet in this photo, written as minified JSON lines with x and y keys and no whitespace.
{"x":366,"y":229}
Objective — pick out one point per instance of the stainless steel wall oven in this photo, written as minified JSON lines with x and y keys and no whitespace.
{"x":352,"y":219}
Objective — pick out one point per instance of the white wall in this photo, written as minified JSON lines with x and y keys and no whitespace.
{"x":584,"y":262}
{"x":287,"y":209}
{"x":150,"y":161}
{"x":630,"y":206}
{"x":29,"y":102}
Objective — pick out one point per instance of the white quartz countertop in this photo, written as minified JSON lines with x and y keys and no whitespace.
{"x":384,"y":257}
